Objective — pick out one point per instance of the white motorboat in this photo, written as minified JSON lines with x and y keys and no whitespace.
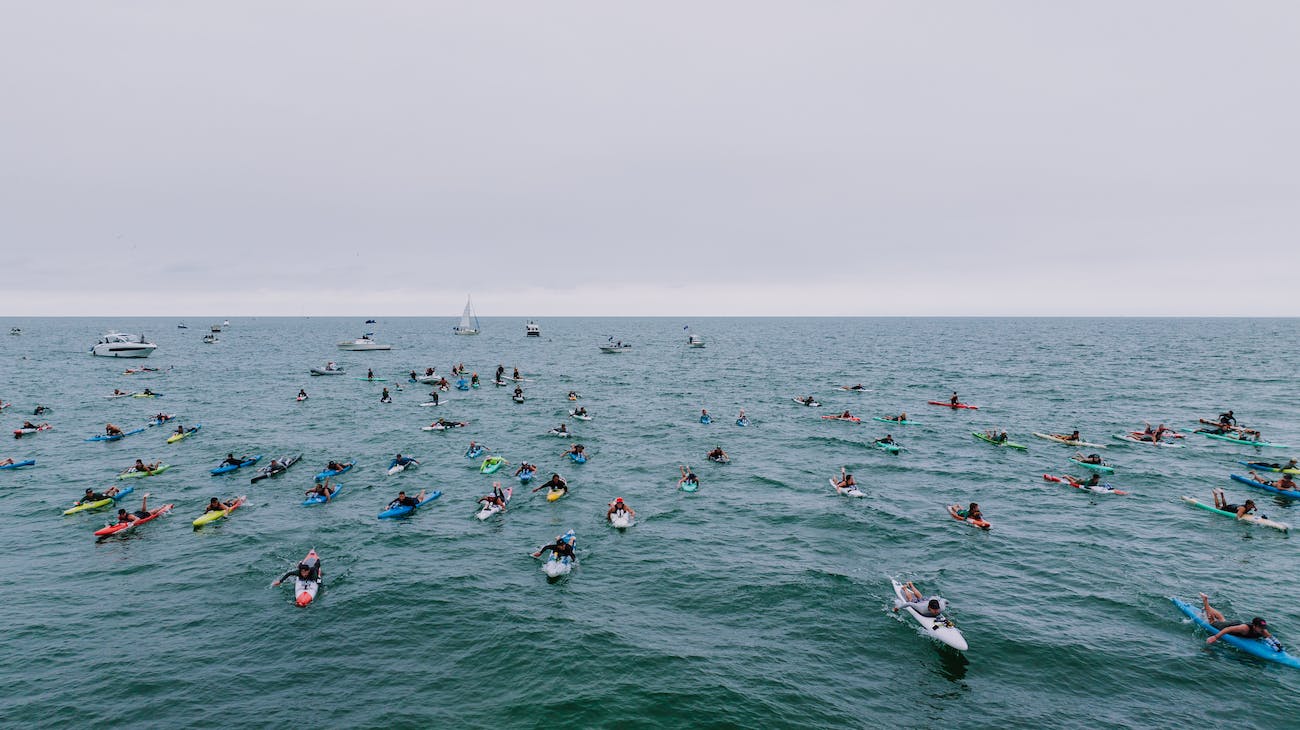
{"x":468,"y":320}
{"x":182,"y":326}
{"x":216,"y":328}
{"x":118,"y":344}
{"x":613,"y":347}
{"x":692,"y":339}
{"x":364,"y":342}
{"x":532,"y":330}
{"x":330,"y":368}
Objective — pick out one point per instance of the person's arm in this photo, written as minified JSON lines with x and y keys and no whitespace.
{"x":1234,"y":629}
{"x":280,"y":580}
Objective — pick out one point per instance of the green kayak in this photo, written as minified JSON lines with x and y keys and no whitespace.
{"x":895,"y":420}
{"x":1244,"y":442}
{"x":1009,"y":444}
{"x":133,"y":474}
{"x":1100,"y":468}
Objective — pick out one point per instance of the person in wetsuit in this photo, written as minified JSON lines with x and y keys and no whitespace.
{"x":555,"y":482}
{"x":1257,"y":628}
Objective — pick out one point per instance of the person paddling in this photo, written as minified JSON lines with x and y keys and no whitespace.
{"x":1256,"y":628}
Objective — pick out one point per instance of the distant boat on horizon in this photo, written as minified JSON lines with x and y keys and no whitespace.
{"x":468,"y":319}
{"x":532,"y":330}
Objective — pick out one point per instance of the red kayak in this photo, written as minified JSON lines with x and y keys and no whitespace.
{"x":983,"y":525}
{"x":1099,"y":489}
{"x":853,"y":419}
{"x":946,"y":404}
{"x":123,"y":526}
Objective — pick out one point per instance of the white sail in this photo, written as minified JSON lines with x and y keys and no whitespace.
{"x":468,"y":320}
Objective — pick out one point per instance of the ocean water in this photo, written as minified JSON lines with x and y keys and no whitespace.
{"x":762,"y":600}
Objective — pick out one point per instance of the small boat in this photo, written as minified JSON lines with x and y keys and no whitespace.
{"x":15,"y":331}
{"x":613,"y":347}
{"x":118,"y":344}
{"x":225,"y":323}
{"x":468,"y":320}
{"x":532,"y":330}
{"x":371,"y":321}
{"x":216,"y":328}
{"x":364,"y":342}
{"x":693,"y":340}
{"x":182,"y":326}
{"x":329,"y":369}
{"x":210,"y":339}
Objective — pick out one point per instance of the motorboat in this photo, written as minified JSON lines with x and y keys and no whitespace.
{"x":468,"y":320}
{"x":330,"y":368}
{"x":225,"y":323}
{"x":532,"y":330}
{"x":210,"y":339}
{"x":216,"y":328}
{"x":364,"y":342}
{"x":613,"y":347}
{"x":182,"y":326}
{"x":118,"y":344}
{"x":692,"y":339}
{"x":15,"y":330}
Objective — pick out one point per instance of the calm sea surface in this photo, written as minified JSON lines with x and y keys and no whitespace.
{"x":759,"y":601}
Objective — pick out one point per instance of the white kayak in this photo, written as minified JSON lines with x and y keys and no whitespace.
{"x":304,"y":591}
{"x":848,"y":491}
{"x":434,"y":427}
{"x":580,"y":416}
{"x":561,"y":434}
{"x":491,"y":509}
{"x":938,"y":628}
{"x":431,"y":404}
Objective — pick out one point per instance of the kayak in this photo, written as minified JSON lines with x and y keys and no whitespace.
{"x":557,"y":432}
{"x":690,"y":486}
{"x":1097,"y":489}
{"x":987,"y":439}
{"x":939,"y":628}
{"x":82,"y":507}
{"x":475,"y":452}
{"x":116,"y":437}
{"x":724,"y":459}
{"x":133,"y":474}
{"x":431,"y":404}
{"x":124,"y":526}
{"x":320,"y":498}
{"x":526,"y":476}
{"x":335,"y":472}
{"x":1099,"y":468}
{"x":1263,"y":466}
{"x":402,"y":510}
{"x":580,"y":416}
{"x":161,"y":421}
{"x":1245,"y":442}
{"x":578,"y":458}
{"x":119,"y":395}
{"x":850,"y":419}
{"x":847,"y":491}
{"x":621,"y":520}
{"x":553,"y":494}
{"x":188,"y":433}
{"x":517,"y":398}
{"x":1289,"y":493}
{"x":491,"y":509}
{"x":304,"y":591}
{"x":1067,"y":442}
{"x":954,"y":406}
{"x":556,"y":567}
{"x":802,"y":402}
{"x":267,"y":472}
{"x":742,"y":421}
{"x":1256,"y":519}
{"x":895,"y":420}
{"x":891,"y":448}
{"x":1133,"y":439}
{"x":983,"y":525}
{"x":706,"y":420}
{"x":373,"y":380}
{"x":1261,"y":648}
{"x":491,"y":465}
{"x":327,"y":371}
{"x":395,"y":468}
{"x":20,"y":432}
{"x":227,"y":468}
{"x":17,"y":464}
{"x":216,"y":514}
{"x":146,"y":395}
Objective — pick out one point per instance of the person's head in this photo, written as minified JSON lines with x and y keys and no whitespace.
{"x":398,"y":456}
{"x":933,"y":605}
{"x":89,"y":490}
{"x":848,"y":477}
{"x":401,"y":495}
{"x":618,"y":500}
{"x":1259,"y":623}
{"x":304,"y":568}
{"x":974,"y":507}
{"x":1250,"y":504}
{"x":121,"y":513}
{"x":230,"y":455}
{"x":214,"y":501}
{"x":555,"y":476}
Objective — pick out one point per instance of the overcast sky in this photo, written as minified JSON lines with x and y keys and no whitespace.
{"x":674,"y":158}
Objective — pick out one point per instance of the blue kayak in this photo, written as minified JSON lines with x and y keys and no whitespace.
{"x":462,"y":384}
{"x":475,"y":452}
{"x":1258,"y":647}
{"x":706,"y":420}
{"x":227,"y":468}
{"x":320,"y":498}
{"x":1290,"y":493}
{"x":17,"y":464}
{"x":578,"y":458}
{"x":526,"y":477}
{"x":333,"y":473}
{"x":403,"y":510}
{"x":742,"y":421}
{"x":117,"y":437}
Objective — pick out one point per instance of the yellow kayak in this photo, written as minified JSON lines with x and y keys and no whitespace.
{"x":555,"y":494}
{"x":215,"y":515}
{"x":83,"y":506}
{"x":188,"y":432}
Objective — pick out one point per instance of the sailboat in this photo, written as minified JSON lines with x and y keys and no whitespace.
{"x":468,"y":320}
